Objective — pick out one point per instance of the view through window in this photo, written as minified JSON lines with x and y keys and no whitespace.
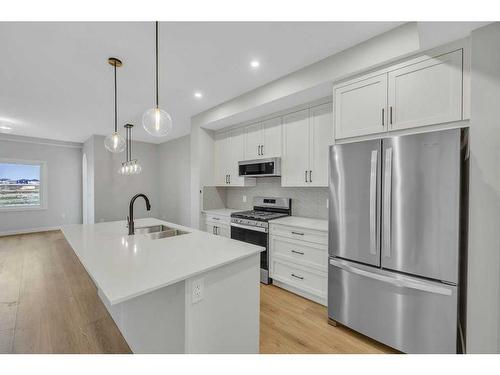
{"x":19,"y":185}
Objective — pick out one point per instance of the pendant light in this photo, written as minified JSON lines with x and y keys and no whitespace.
{"x":115,"y":142}
{"x":156,"y":121}
{"x":129,"y":166}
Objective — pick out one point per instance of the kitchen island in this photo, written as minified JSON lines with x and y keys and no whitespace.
{"x":190,"y":293}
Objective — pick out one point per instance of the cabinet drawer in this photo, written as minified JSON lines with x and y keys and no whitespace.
{"x":309,"y":235}
{"x":304,"y":278}
{"x":312,"y":255}
{"x":218,"y":219}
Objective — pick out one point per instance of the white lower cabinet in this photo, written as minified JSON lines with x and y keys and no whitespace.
{"x":219,"y":229}
{"x":299,"y":261}
{"x":218,"y":224}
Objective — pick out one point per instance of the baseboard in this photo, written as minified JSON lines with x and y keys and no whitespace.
{"x":302,"y":293}
{"x":29,"y":230}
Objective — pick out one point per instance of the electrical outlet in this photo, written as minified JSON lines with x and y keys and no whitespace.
{"x":244,"y":199}
{"x":198,"y":290}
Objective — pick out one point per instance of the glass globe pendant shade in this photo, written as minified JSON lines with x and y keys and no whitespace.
{"x":114,"y":143}
{"x":157,"y":122}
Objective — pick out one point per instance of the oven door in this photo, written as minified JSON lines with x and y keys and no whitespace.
{"x":255,"y":236}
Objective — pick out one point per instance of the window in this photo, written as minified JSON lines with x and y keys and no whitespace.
{"x":22,"y":184}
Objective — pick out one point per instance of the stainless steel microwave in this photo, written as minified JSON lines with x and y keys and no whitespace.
{"x":270,"y":167}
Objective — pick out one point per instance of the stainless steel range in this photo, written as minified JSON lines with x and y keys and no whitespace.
{"x":253,"y":226}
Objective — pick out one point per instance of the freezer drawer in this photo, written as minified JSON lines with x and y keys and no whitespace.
{"x":406,"y":313}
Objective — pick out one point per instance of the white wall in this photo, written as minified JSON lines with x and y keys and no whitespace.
{"x":64,"y":178}
{"x":382,"y":49}
{"x":174,"y":180}
{"x":112,"y":191}
{"x":483,"y":299}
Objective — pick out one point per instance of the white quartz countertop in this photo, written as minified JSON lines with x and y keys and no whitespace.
{"x":221,"y":211}
{"x":303,"y":222}
{"x":125,"y":267}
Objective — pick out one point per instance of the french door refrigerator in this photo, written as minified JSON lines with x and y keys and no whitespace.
{"x":394,"y":239}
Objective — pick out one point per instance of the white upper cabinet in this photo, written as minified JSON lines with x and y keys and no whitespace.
{"x":320,"y":138}
{"x":307,"y":135}
{"x":263,"y":139}
{"x":221,"y":156}
{"x":426,"y":93}
{"x":295,"y":160}
{"x":421,"y":92}
{"x":253,"y":141}
{"x":272,"y":130}
{"x":237,"y":154}
{"x":360,"y":107}
{"x":229,"y":150}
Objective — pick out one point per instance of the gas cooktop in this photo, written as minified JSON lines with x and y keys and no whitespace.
{"x":258,"y":215}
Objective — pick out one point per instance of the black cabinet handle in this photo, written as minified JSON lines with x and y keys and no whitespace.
{"x":297,"y":252}
{"x":298,"y":233}
{"x":297,"y":277}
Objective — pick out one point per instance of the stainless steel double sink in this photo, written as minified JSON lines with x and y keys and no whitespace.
{"x":155,"y":232}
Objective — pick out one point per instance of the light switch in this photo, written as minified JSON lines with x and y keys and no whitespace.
{"x":244,"y":199}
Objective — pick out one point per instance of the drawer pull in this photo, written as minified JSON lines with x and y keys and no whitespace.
{"x":215,"y":218}
{"x":298,"y":233}
{"x":297,"y":277}
{"x":297,"y":252}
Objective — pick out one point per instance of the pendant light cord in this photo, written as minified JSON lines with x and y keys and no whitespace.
{"x":116,"y":111}
{"x":157,"y":100}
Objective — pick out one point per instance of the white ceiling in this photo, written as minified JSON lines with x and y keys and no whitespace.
{"x":56,"y":83}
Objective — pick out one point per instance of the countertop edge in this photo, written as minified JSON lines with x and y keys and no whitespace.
{"x":307,"y":222}
{"x":118,"y":300}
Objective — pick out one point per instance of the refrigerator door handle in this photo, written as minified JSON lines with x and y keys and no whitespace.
{"x":373,"y":202}
{"x":400,"y":282}
{"x":387,"y":215}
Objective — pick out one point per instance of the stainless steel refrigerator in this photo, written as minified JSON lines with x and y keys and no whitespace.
{"x":395,"y":239}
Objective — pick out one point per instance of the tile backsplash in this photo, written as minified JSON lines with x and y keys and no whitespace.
{"x":306,"y":201}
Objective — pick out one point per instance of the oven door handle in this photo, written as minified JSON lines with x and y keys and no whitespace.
{"x":248,"y":227}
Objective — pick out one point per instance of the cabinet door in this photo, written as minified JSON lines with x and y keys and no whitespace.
{"x":426,"y":93}
{"x":295,"y":160}
{"x":222,"y":150}
{"x":271,"y":146}
{"x":224,"y":231}
{"x":237,"y":153}
{"x":360,"y":107}
{"x":320,"y":138}
{"x":210,"y":228}
{"x":253,"y":141}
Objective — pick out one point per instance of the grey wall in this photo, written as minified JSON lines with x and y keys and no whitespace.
{"x":112,"y":191}
{"x":306,"y":202}
{"x":175,"y":180}
{"x":88,"y":189}
{"x":64,"y":174}
{"x":483,"y":299}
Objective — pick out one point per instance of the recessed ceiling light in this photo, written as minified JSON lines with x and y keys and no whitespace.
{"x":198,"y":95}
{"x":255,"y":64}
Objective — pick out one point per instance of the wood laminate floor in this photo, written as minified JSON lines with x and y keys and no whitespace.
{"x":49,"y":304}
